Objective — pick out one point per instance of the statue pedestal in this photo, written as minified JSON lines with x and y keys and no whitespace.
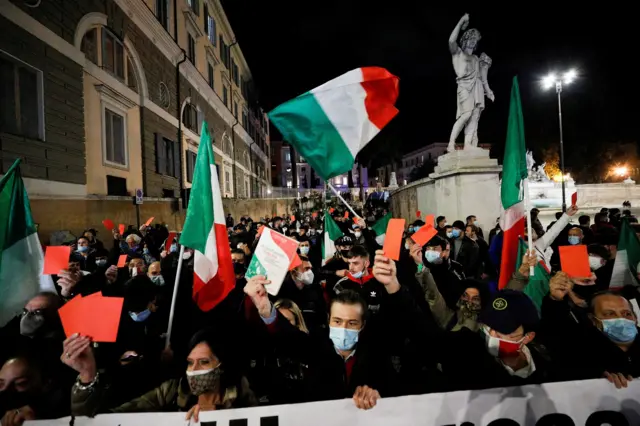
{"x":466,"y":182}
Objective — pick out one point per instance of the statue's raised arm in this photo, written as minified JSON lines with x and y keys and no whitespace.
{"x":453,"y":38}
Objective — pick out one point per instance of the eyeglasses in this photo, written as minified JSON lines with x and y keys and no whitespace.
{"x":37,"y":312}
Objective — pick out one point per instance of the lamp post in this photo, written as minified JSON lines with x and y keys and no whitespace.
{"x":547,"y":83}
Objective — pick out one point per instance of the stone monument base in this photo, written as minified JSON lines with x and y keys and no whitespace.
{"x":466,"y":182}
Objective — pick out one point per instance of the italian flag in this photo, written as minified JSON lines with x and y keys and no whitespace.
{"x":538,"y":286}
{"x":330,"y":124}
{"x":627,"y":258}
{"x":514,"y":170}
{"x":331,"y":233}
{"x":380,"y":228}
{"x":21,"y":257}
{"x":205,"y":231}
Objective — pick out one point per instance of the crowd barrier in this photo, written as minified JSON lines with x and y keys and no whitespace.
{"x":580,"y":403}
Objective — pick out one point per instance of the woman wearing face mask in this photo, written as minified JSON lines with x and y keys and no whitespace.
{"x":211,"y":381}
{"x":84,"y":255}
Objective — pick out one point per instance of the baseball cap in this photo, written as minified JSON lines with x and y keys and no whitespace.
{"x":345,"y":240}
{"x":509,"y":309}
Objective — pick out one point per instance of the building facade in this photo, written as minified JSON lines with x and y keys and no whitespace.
{"x":101,"y":98}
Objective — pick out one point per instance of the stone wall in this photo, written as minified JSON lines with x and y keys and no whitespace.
{"x":61,"y":155}
{"x":78,"y":215}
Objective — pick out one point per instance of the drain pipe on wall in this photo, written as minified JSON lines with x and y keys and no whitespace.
{"x":179,"y":112}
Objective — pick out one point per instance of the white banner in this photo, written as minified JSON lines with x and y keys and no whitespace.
{"x":582,"y":403}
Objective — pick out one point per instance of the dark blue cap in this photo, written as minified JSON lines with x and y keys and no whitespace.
{"x":509,"y":309}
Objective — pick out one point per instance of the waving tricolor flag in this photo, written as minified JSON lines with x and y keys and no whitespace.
{"x":330,"y":124}
{"x":205,"y":231}
{"x":514,"y":170}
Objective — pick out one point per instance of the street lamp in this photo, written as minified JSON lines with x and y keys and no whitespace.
{"x":547,"y":83}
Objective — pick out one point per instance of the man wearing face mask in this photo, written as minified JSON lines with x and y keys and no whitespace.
{"x":354,"y":360}
{"x":361,"y":280}
{"x":301,"y":287}
{"x":447,"y":273}
{"x":337,"y":267}
{"x":84,"y":255}
{"x":464,"y":250}
{"x":610,"y":338}
{"x":502,"y":353}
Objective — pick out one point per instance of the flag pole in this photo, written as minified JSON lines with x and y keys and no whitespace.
{"x":335,"y":191}
{"x":173,"y":298}
{"x":527,"y":211}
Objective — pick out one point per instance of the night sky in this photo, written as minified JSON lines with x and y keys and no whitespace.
{"x":293,"y":46}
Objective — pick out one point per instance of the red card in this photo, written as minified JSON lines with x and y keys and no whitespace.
{"x":418,"y":214}
{"x":393,"y":238}
{"x":575,"y":261}
{"x":170,"y":239}
{"x":56,"y":258}
{"x":260,"y":229}
{"x":295,"y":262}
{"x":121,"y":229}
{"x":423,"y":235}
{"x":148,"y":222}
{"x":96,"y":294}
{"x":314,"y":215}
{"x":103,"y":327}
{"x":355,"y":219}
{"x":122,"y":261}
{"x":70,"y":322}
{"x":331,"y":209}
{"x":108,"y":223}
{"x":346,"y":214}
{"x":574,"y":199}
{"x":293,"y":218}
{"x":429,"y":220}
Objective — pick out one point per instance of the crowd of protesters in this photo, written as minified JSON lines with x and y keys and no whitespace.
{"x":358,"y":325}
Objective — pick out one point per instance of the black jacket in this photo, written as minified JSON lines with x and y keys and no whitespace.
{"x":448,"y":275}
{"x":468,"y":256}
{"x":467,"y":365}
{"x":368,"y":287}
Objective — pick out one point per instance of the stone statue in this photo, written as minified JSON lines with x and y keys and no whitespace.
{"x":471,"y":76}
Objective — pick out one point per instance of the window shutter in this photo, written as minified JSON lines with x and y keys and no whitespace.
{"x":161,"y":161}
{"x":206,"y":18}
{"x":176,"y":159}
{"x":187,"y":155}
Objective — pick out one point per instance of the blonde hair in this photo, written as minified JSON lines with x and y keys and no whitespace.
{"x":295,"y":310}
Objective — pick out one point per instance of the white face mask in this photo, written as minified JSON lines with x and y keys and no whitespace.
{"x":186,"y":255}
{"x":306,"y":277}
{"x":357,"y":234}
{"x":595,"y":262}
{"x":304,"y":250}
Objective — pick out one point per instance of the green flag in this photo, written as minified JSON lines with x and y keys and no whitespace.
{"x":331,"y":233}
{"x":538,"y":286}
{"x":380,"y":227}
{"x":627,"y":259}
{"x":21,"y":257}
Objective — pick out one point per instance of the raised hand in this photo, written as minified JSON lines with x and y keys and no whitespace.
{"x":572,"y":210}
{"x":77,"y":354}
{"x":384,"y":270}
{"x":416,"y":254}
{"x":559,"y":286}
{"x":528,"y":260}
{"x":258,"y":294}
{"x":111,"y":274}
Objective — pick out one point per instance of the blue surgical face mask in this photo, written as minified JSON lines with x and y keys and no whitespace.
{"x":450,"y":234}
{"x":101,"y":262}
{"x":145,"y":251}
{"x":83,"y":249}
{"x":158,"y":280}
{"x":173,"y":248}
{"x":574,"y":240}
{"x":433,"y":256}
{"x":619,"y":330}
{"x":357,"y":274}
{"x":304,"y":250}
{"x":140,"y":316}
{"x":455,"y":233}
{"x":343,"y":339}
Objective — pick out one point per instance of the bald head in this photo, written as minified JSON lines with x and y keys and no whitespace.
{"x":154,"y":269}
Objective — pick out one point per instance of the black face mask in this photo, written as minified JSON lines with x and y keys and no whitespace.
{"x":344,"y":253}
{"x":12,"y":399}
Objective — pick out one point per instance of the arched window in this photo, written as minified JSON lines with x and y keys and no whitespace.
{"x":226,"y":145}
{"x":110,"y":52}
{"x":246,"y":159}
